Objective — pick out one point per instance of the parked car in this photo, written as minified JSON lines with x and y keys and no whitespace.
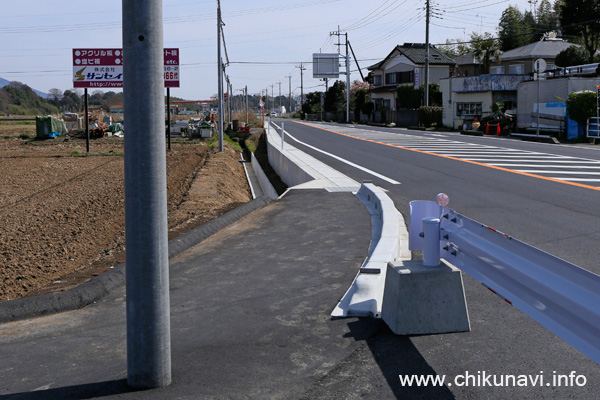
{"x":273,"y":114}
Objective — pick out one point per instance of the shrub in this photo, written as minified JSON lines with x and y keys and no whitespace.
{"x":581,"y":106}
{"x":429,"y":116}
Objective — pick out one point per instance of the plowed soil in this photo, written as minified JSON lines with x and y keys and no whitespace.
{"x":62,"y":211}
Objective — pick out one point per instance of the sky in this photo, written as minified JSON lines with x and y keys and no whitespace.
{"x":265,"y":40}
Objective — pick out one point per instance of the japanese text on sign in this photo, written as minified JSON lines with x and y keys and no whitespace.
{"x":104,"y":68}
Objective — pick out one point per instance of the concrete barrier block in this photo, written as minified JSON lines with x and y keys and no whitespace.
{"x":421,"y":300}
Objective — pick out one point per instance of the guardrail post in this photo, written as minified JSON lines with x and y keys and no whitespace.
{"x":282,"y":135}
{"x":431,"y":244}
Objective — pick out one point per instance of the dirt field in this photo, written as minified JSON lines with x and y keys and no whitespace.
{"x":62,"y":212}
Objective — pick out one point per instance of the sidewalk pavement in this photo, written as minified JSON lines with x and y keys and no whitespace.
{"x":249,"y":319}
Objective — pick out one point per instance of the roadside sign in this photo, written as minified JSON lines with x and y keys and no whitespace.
{"x":326,"y":65}
{"x":417,"y":76}
{"x":97,"y":68}
{"x":171,"y":67}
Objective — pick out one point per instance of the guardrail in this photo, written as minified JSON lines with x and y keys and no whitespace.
{"x":561,"y":296}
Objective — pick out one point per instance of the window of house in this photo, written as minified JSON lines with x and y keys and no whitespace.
{"x":497,"y":70}
{"x":386,"y":104}
{"x":517,"y":69}
{"x":377,"y":80}
{"x":468,"y":110}
{"x":390,"y":79}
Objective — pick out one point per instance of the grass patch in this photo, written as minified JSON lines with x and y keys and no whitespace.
{"x":213,"y":142}
{"x":76,"y":153}
{"x":251,"y":146}
{"x":235,"y":144}
{"x":24,"y":136}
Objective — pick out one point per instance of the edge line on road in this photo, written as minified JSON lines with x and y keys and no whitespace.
{"x":458,"y":159}
{"x":350,"y":163}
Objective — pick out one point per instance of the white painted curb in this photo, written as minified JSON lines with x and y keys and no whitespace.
{"x":389,"y":243}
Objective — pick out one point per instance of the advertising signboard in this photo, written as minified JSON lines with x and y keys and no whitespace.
{"x":103,"y":68}
{"x":171,"y":67}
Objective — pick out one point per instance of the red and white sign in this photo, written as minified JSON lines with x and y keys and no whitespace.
{"x":96,"y":68}
{"x":171,"y":67}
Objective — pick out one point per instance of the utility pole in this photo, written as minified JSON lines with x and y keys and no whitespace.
{"x":230,"y":101}
{"x":347,"y":82}
{"x":246,"y":92}
{"x":272,"y":97}
{"x":220,"y":76}
{"x":279,"y":97}
{"x":290,"y":97}
{"x":147,"y":275}
{"x":338,"y":34}
{"x":302,"y":69}
{"x":427,"y":13}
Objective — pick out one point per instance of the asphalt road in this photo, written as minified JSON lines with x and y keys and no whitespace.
{"x":557,"y":217}
{"x":539,"y":208}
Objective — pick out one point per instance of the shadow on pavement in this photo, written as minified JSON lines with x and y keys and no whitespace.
{"x":84,"y":391}
{"x":396,"y":355}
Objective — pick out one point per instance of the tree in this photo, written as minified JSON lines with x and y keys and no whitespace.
{"x":356,"y":85}
{"x":361,"y":98}
{"x":485,"y":48}
{"x":581,"y":106}
{"x":582,"y":18}
{"x":455,"y":48}
{"x":71,"y":101}
{"x":56,"y":94}
{"x":513,"y":30}
{"x":573,"y":55}
{"x":312,"y":103}
{"x":409,"y":98}
{"x":547,"y":17}
{"x":335,"y":97}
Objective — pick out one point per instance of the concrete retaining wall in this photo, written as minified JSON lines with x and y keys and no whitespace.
{"x":290,"y":173}
{"x":264,"y":182}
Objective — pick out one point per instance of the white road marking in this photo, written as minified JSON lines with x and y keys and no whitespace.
{"x":378,"y":175}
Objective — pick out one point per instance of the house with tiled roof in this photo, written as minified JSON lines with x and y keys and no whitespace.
{"x":520,"y":60}
{"x":406,"y":64}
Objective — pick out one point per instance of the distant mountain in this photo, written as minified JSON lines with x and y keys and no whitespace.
{"x":4,"y":82}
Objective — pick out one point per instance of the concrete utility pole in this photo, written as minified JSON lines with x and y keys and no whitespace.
{"x":347,"y":82}
{"x":302,"y":69}
{"x":220,"y":76}
{"x":427,"y":13}
{"x":267,"y":97}
{"x":279,"y":83}
{"x":338,"y":34}
{"x":148,"y":309}
{"x":229,"y":101}
{"x":290,"y":96}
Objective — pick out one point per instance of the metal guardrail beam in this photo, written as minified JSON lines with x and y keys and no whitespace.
{"x":561,"y":296}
